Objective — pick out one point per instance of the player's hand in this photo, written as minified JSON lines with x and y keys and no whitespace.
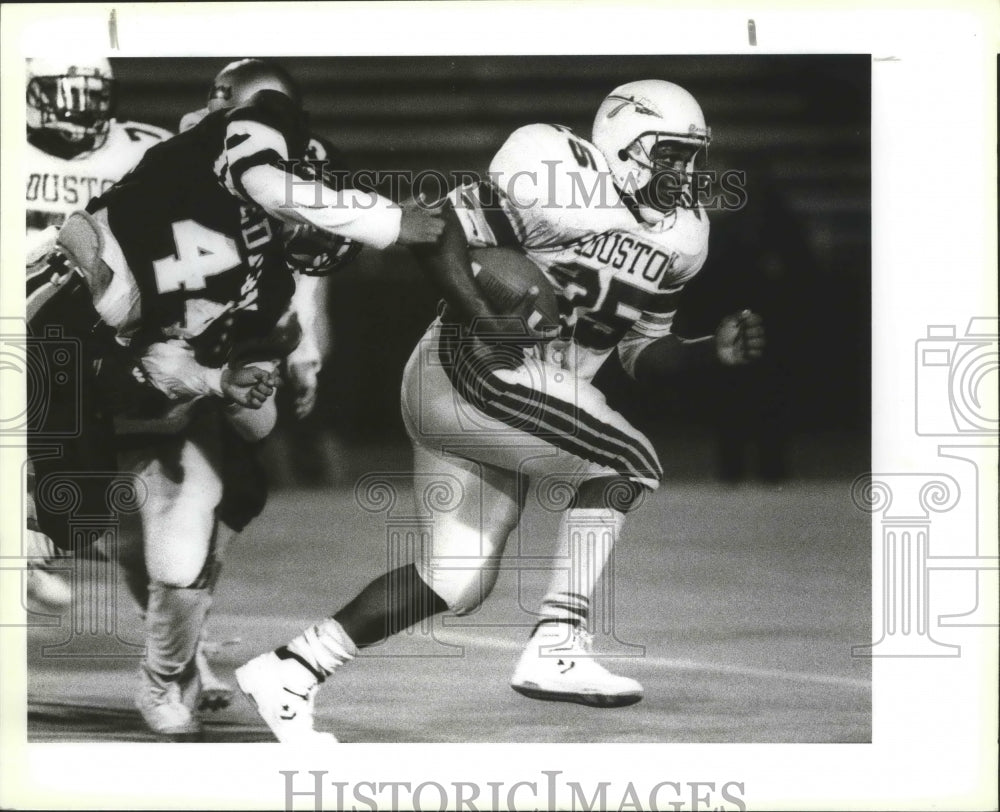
{"x":302,"y":379}
{"x":248,"y":386}
{"x":522,"y":322}
{"x":740,"y":338}
{"x":420,"y":224}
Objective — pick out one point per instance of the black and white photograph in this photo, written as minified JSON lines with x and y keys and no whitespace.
{"x":394,"y":396}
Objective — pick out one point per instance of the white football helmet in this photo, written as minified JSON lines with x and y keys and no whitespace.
{"x":649,"y":130}
{"x":74,"y":99}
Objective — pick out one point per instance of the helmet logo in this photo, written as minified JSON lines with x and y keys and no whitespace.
{"x":640,"y":107}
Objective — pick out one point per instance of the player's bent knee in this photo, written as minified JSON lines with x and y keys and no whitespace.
{"x":177,"y":577}
{"x":176,"y":566}
{"x":614,"y":492}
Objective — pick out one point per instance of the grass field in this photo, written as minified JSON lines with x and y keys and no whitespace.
{"x":746,"y":599}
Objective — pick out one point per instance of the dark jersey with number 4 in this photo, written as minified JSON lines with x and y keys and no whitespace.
{"x":208,"y":260}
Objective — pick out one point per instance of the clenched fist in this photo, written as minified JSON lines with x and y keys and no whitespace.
{"x":739,"y":338}
{"x":249,"y":386}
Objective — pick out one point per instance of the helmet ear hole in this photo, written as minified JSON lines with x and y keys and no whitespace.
{"x":623,"y":155}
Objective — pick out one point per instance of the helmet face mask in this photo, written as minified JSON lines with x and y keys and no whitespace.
{"x":670,"y":164}
{"x":651,"y":133}
{"x":72,"y":102}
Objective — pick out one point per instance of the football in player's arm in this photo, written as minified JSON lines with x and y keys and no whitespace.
{"x":616,"y":256}
{"x":738,"y":339}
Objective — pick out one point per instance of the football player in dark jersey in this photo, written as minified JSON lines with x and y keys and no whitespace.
{"x":312,"y":256}
{"x":185,"y":262}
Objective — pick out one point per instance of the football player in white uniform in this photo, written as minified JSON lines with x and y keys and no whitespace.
{"x":613,"y":226}
{"x":186,"y":263}
{"x":76,"y":151}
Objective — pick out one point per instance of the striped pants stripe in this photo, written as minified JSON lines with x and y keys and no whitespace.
{"x":455,"y":403}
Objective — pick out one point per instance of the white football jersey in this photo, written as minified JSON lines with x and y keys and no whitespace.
{"x":56,"y":186}
{"x":616,"y":277}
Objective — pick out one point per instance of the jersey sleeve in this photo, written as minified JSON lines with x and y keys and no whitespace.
{"x":554,"y":187}
{"x":649,"y":328}
{"x":652,"y":326}
{"x":189,"y":120}
{"x":260,"y":139}
{"x":264,"y":133}
{"x":170,"y":367}
{"x":483,"y":219}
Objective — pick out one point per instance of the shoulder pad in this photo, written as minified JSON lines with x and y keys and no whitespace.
{"x":189,"y":120}
{"x":527,"y":146}
{"x":277,"y":111}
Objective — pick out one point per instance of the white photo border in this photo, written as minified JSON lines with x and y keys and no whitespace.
{"x":934,"y":215}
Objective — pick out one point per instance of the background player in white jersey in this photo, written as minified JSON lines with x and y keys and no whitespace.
{"x":76,"y":147}
{"x":187,"y":264}
{"x":612,"y":225}
{"x":77,"y":150}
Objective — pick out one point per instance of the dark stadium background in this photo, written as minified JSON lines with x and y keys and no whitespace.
{"x":799,"y":252}
{"x":736,"y":606}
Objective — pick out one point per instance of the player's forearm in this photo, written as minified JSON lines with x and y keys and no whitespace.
{"x":368,"y":218}
{"x":171,"y":368}
{"x":447,"y":266}
{"x":672,"y":354}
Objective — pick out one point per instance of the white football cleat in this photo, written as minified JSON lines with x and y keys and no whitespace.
{"x":288,"y":712}
{"x":557,"y":666}
{"x":166,"y":706}
{"x":46,"y":582}
{"x":216,"y":694}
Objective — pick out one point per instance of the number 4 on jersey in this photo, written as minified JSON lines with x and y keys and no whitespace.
{"x":200,"y":253}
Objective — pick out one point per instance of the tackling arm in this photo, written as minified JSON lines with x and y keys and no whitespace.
{"x":260,"y":138}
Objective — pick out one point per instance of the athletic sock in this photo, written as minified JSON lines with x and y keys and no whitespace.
{"x":585,"y":539}
{"x":317,"y":653}
{"x":392,"y":602}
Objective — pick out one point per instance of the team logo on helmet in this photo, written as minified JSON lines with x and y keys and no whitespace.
{"x":640,"y":107}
